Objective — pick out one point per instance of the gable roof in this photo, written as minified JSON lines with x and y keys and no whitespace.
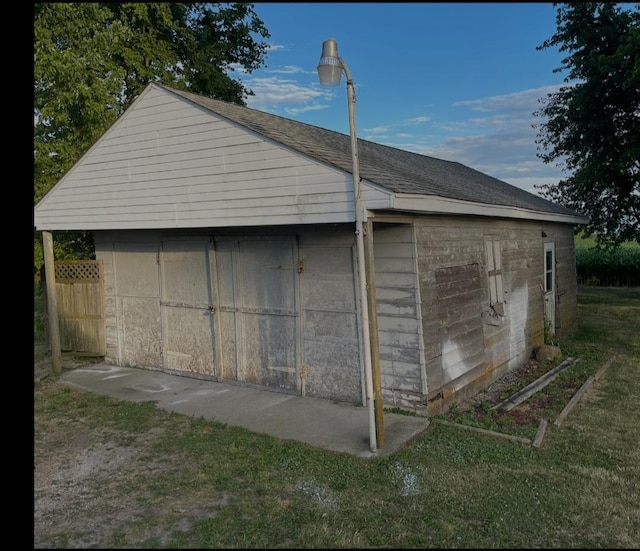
{"x":396,"y":170}
{"x":175,"y":159}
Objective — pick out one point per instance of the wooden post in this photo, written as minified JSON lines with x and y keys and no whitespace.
{"x":52,"y":303}
{"x":373,"y":331}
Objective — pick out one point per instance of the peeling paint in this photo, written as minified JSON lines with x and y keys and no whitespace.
{"x":452,"y":361}
{"x":518,"y":310}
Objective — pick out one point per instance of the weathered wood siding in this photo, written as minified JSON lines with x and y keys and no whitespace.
{"x":257,"y":309}
{"x":185,"y":305}
{"x":470,"y":342}
{"x":399,"y":319}
{"x":135,"y":301}
{"x":326,"y":335}
{"x":442,"y":339}
{"x":330,"y":329}
{"x":566,"y":278}
{"x":167,"y":163}
{"x":104,"y":253}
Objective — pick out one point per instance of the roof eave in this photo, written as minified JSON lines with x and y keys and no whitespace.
{"x":432,"y":204}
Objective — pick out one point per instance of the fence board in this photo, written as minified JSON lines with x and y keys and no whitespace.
{"x":81,"y":306}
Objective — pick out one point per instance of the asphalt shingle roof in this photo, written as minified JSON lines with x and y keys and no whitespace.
{"x":394,"y":169}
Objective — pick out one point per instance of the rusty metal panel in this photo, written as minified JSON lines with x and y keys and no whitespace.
{"x":267,"y":271}
{"x":327,"y":280}
{"x":333,"y":369}
{"x":335,"y":325}
{"x":187,"y":306}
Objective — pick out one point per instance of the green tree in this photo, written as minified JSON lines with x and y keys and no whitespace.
{"x":592,"y":124}
{"x":91,"y":60}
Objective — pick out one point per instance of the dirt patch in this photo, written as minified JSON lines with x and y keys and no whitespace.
{"x":89,"y":482}
{"x":89,"y":486}
{"x":73,"y":485}
{"x":527,"y":412}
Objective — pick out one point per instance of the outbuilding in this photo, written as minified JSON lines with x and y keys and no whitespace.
{"x":227,"y":241}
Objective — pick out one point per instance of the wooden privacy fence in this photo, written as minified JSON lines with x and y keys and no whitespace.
{"x":81,"y":306}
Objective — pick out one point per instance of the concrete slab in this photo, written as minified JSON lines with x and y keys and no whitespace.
{"x":321,"y":423}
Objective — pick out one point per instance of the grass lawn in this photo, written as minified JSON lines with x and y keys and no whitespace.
{"x":114,"y":474}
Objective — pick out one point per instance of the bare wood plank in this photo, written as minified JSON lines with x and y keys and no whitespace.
{"x":534,"y":387}
{"x":487,"y":432}
{"x":542,"y":427}
{"x":373,"y":331}
{"x":576,"y":397}
{"x":52,"y":304}
{"x":574,"y":400}
{"x":606,"y":366}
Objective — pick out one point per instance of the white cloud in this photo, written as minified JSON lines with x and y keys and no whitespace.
{"x":289,"y":70}
{"x":415,"y":120}
{"x":501,"y":144}
{"x":389,"y":127}
{"x":275,"y":92}
{"x":236,"y":68}
{"x":299,"y":110}
{"x":377,"y":129}
{"x":517,"y":101}
{"x":275,"y":48}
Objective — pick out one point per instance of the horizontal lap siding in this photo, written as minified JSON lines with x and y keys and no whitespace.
{"x":459,"y":297}
{"x":169,"y":164}
{"x":399,"y":323}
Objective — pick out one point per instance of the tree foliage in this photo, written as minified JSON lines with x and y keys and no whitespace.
{"x":91,"y":60}
{"x":592,"y":124}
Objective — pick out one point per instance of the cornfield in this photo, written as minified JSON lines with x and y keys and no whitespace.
{"x":619,"y":267}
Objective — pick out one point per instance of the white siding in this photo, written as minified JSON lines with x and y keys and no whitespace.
{"x":168,"y":164}
{"x":401,"y":347}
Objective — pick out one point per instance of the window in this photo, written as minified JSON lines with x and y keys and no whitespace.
{"x":494,"y":272}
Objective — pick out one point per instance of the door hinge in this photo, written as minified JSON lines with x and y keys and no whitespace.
{"x":300,"y":266}
{"x":303,"y":372}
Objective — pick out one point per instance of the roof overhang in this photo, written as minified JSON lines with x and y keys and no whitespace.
{"x":432,"y":204}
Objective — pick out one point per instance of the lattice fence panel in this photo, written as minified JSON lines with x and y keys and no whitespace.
{"x":77,"y":271}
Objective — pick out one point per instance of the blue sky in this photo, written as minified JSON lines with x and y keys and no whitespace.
{"x":456,"y":81}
